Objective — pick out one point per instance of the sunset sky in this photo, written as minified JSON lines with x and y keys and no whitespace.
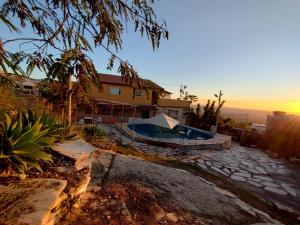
{"x":248,"y":48}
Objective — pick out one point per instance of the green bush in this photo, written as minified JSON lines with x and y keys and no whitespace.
{"x":55,"y":129}
{"x":100,"y":132}
{"x":93,"y":131}
{"x":22,"y":143}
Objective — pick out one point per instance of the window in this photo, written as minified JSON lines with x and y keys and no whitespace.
{"x":138,"y":92}
{"x":115,"y":90}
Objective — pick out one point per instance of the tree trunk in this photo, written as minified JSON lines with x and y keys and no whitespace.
{"x":69,"y":101}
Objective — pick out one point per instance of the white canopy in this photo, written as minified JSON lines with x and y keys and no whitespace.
{"x":162,"y":120}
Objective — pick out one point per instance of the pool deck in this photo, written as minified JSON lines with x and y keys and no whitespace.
{"x":275,"y":181}
{"x":219,"y":142}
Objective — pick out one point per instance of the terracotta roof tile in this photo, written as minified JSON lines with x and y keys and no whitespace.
{"x":114,"y":79}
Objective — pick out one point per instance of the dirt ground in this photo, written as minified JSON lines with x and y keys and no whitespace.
{"x":128,"y":190}
{"x":129,"y":203}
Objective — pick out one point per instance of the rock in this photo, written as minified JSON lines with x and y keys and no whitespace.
{"x":226,"y":170}
{"x":285,"y":208}
{"x":294,"y":160}
{"x":94,"y":188}
{"x":246,"y":163}
{"x":208,"y":163}
{"x":200,"y":161}
{"x":202,"y":179}
{"x":276,"y":190}
{"x":78,"y":150}
{"x":160,"y":214}
{"x":263,"y":178}
{"x":254,"y":183}
{"x":40,"y":198}
{"x":219,"y":171}
{"x":234,"y":177}
{"x":202,"y":166}
{"x":288,"y":189}
{"x":224,"y":192}
{"x":245,"y":207}
{"x":242,"y":174}
{"x":172,"y":216}
{"x":261,"y":170}
{"x":270,"y":184}
{"x":60,"y":169}
{"x":262,"y":224}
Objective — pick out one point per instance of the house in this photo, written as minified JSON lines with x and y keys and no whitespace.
{"x":122,"y":100}
{"x":26,"y":85}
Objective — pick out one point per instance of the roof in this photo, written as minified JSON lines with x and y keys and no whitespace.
{"x":115,"y":79}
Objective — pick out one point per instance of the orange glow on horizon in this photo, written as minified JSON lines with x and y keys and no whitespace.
{"x":291,"y":107}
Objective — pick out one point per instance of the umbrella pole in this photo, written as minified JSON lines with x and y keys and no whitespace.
{"x":122,"y":120}
{"x":132,"y":133}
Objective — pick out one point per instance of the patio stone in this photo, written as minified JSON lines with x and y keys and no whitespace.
{"x":234,"y":177}
{"x":288,"y":189}
{"x":270,"y":184}
{"x":246,"y":163}
{"x":242,"y":174}
{"x":208,"y":163}
{"x":261,"y":170}
{"x":254,"y":183}
{"x":241,"y":164}
{"x":226,"y":170}
{"x":219,"y":170}
{"x":276,"y":190}
{"x":202,"y":166}
{"x":201,"y":161}
{"x":255,"y":180}
{"x":263,"y":178}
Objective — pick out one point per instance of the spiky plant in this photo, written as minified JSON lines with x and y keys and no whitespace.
{"x":22,"y":143}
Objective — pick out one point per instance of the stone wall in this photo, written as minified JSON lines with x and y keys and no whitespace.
{"x":44,"y":201}
{"x":219,"y":142}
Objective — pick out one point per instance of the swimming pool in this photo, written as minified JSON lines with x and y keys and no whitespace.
{"x":179,"y":131}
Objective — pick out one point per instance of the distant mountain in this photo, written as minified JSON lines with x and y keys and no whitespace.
{"x":244,"y":115}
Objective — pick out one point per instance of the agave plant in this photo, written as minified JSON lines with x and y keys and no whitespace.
{"x":55,"y":129}
{"x":22,"y":143}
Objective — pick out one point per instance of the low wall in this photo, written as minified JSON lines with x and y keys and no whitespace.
{"x":219,"y":142}
{"x":44,"y":201}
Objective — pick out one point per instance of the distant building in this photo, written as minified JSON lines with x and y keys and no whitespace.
{"x":283,"y":134}
{"x":121,"y":99}
{"x":26,"y":85}
{"x":261,"y":128}
{"x":281,"y":121}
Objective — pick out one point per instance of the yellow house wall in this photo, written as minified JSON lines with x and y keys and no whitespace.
{"x":174,"y":103}
{"x":126,"y":95}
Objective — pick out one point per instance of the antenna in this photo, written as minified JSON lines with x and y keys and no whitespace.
{"x":183,"y":91}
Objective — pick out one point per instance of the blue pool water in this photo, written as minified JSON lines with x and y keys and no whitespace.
{"x":179,"y":131}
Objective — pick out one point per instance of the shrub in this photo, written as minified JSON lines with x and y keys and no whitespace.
{"x":100,"y":132}
{"x":22,"y":143}
{"x":93,"y":131}
{"x":55,"y":129}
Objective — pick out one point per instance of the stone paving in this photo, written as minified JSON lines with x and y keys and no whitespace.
{"x":251,"y":168}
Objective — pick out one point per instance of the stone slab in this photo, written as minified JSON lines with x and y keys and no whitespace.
{"x":289,"y":189}
{"x":234,"y":177}
{"x":276,"y":190}
{"x":39,"y":197}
